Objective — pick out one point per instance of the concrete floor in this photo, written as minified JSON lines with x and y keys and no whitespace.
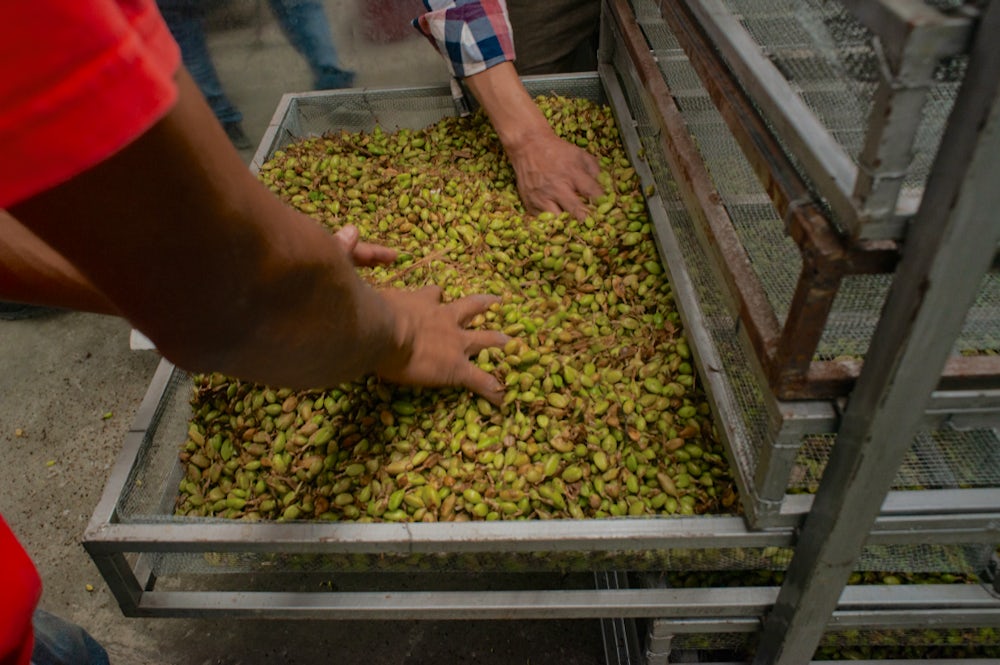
{"x":70,"y":386}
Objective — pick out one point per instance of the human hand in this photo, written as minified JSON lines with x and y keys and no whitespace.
{"x":363,"y":254}
{"x":554,"y":175}
{"x":434,"y":344}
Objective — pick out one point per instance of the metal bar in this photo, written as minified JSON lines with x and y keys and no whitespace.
{"x":686,"y":626}
{"x":121,"y":580}
{"x":965,"y":401}
{"x":463,"y":605}
{"x":730,"y":609}
{"x":971,"y":373}
{"x":949,"y":249}
{"x":621,"y":637}
{"x":829,"y":378}
{"x":930,"y":516}
{"x":774,"y":468}
{"x":901,"y":24}
{"x":939,"y":597}
{"x":817,"y":286}
{"x":829,"y":166}
{"x":893,"y":122}
{"x":523,"y":536}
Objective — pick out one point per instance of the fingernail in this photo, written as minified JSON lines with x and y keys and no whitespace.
{"x":349,"y":232}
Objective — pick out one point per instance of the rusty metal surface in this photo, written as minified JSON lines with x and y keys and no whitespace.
{"x":698,"y":191}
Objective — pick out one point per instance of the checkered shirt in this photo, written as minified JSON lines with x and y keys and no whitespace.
{"x":472,"y":35}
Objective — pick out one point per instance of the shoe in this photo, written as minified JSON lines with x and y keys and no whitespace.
{"x":16,"y":311}
{"x":334,"y":78}
{"x":234,"y":130}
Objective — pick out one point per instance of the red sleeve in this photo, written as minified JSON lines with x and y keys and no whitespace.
{"x":78,"y":82}
{"x":21,"y":590}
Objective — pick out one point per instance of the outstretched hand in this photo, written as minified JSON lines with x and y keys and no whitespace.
{"x":435,"y":345}
{"x":553,"y":175}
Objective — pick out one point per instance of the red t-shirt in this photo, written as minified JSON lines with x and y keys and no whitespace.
{"x":78,"y":82}
{"x":21,"y":589}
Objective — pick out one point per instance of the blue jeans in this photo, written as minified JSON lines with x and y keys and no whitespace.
{"x":303,"y":23}
{"x":307,"y":29}
{"x":59,"y":642}
{"x":186,"y":21}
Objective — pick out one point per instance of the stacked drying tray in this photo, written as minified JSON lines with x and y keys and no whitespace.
{"x":792,"y":325}
{"x":726,"y":230}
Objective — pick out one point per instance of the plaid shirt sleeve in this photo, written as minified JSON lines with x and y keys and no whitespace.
{"x":472,"y":35}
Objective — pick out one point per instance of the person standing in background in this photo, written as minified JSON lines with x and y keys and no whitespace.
{"x":304,"y":24}
{"x":477,"y":41}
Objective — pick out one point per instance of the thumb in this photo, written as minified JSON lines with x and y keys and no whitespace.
{"x":348,"y":237}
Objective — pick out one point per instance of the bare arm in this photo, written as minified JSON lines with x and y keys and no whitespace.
{"x":552,"y":174}
{"x":183,"y":241}
{"x":31,"y":271}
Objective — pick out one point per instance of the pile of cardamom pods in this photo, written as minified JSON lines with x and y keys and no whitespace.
{"x":603,"y":414}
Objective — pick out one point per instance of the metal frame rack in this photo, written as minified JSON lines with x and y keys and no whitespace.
{"x":160,"y":565}
{"x":801,"y":168}
{"x":789,"y":421}
{"x":767,"y":435}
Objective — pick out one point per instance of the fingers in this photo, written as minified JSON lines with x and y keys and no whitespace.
{"x":482,"y":383}
{"x":586,"y":181}
{"x":477,"y":340}
{"x":364,"y":254}
{"x":569,"y":192}
{"x":348,"y":236}
{"x":465,"y":309}
{"x":567,"y":198}
{"x":368,"y":254}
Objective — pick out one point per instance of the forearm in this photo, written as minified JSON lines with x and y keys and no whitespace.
{"x":31,"y":271}
{"x":232,"y":280}
{"x":511,"y":110}
{"x":552,"y":174}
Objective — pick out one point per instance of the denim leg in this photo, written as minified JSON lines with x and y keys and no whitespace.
{"x":307,"y":29}
{"x":186,"y":21}
{"x":59,"y":642}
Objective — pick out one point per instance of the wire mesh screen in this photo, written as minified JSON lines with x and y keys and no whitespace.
{"x":151,"y":487}
{"x":938,"y":459}
{"x":774,"y":256}
{"x":751,"y":425}
{"x":679,"y":559}
{"x":314,"y":114}
{"x":831,"y":60}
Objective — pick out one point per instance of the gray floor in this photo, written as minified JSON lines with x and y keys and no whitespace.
{"x":70,"y":385}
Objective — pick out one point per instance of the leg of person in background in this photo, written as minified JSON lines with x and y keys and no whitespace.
{"x":307,"y":29}
{"x":59,"y":642}
{"x":186,"y":20}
